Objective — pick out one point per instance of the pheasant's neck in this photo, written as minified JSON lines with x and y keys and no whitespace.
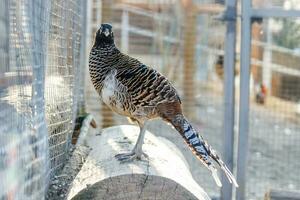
{"x":106,"y":52}
{"x":101,"y":61}
{"x":106,"y":47}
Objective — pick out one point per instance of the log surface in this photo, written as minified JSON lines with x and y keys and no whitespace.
{"x":163,"y":175}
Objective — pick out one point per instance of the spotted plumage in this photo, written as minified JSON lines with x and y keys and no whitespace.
{"x":133,"y":89}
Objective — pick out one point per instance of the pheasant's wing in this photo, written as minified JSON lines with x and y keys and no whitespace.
{"x":146,"y":86}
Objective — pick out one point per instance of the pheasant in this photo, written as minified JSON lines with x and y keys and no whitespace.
{"x":141,"y":93}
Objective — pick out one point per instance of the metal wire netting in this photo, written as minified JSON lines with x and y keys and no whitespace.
{"x":41,"y":81}
{"x":273,"y":161}
{"x":23,"y":132}
{"x":62,"y":77}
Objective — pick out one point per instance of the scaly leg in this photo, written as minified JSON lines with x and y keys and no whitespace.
{"x":137,"y":151}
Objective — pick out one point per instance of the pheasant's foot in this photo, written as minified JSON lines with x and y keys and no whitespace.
{"x":128,"y":157}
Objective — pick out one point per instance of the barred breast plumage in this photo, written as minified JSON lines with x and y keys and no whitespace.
{"x":126,"y":85}
{"x":135,"y":90}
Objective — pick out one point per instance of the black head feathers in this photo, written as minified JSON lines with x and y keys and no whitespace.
{"x":104,"y":35}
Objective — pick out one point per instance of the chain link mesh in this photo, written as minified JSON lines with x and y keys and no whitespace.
{"x":274,"y":123}
{"x":41,"y":85}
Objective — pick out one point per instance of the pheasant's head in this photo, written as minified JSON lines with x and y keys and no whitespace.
{"x":104,"y":35}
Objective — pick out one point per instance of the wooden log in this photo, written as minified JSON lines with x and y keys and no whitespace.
{"x":282,"y":195}
{"x":163,"y":175}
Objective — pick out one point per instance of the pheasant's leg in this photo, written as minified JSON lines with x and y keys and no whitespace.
{"x":137,"y":151}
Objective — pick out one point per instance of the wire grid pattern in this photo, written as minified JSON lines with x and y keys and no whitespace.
{"x":23,"y":146}
{"x":41,"y":81}
{"x":289,"y":5}
{"x":273,"y":158}
{"x":155,"y":34}
{"x":62,"y":81}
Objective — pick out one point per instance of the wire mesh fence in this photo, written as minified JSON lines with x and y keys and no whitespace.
{"x":62,"y":77}
{"x":23,"y":129}
{"x":40,"y":84}
{"x":274,"y":118}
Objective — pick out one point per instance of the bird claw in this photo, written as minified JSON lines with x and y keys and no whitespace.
{"x":128,"y":157}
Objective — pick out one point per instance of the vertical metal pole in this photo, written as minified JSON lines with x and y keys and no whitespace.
{"x":83,"y":55}
{"x":244,"y":99}
{"x":229,"y":94}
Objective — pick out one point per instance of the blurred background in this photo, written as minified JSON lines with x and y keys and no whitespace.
{"x":199,"y":45}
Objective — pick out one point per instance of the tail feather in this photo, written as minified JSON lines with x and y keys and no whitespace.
{"x":202,"y":149}
{"x":229,"y":175}
{"x":222,"y":165}
{"x":214,"y":174}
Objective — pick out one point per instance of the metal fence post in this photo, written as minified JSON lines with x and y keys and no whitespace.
{"x":229,"y":94}
{"x":244,"y":99}
{"x":83,"y":56}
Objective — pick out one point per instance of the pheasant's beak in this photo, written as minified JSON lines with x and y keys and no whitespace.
{"x":106,"y":32}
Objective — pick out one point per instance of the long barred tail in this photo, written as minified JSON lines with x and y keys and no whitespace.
{"x":201,"y":149}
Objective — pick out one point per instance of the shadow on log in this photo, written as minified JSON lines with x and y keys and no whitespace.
{"x":163,"y":175}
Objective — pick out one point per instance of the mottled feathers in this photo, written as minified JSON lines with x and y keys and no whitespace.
{"x":132,"y":84}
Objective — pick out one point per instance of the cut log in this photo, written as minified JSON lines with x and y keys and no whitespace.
{"x":163,"y":175}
